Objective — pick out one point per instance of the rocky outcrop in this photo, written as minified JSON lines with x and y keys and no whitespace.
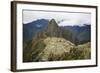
{"x":53,"y":29}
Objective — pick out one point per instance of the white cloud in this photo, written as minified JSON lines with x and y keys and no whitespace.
{"x":79,"y":20}
{"x":63,"y":18}
{"x":68,"y":22}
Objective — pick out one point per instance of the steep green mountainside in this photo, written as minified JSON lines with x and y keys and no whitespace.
{"x":51,"y":45}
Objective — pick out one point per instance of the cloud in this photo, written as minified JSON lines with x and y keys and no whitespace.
{"x":68,"y":22}
{"x":62,"y":18}
{"x":75,"y":21}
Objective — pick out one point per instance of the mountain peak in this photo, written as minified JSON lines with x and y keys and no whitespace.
{"x":53,"y":29}
{"x":52,"y":23}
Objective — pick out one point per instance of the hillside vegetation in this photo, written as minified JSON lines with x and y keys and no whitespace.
{"x":56,"y":49}
{"x":55,"y":44}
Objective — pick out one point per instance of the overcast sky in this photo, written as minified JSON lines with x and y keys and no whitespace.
{"x":62,"y":18}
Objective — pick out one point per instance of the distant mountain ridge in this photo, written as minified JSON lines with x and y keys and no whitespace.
{"x":82,"y":33}
{"x":78,"y":33}
{"x":31,"y":28}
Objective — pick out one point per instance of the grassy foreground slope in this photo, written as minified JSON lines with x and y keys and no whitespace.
{"x":56,"y":49}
